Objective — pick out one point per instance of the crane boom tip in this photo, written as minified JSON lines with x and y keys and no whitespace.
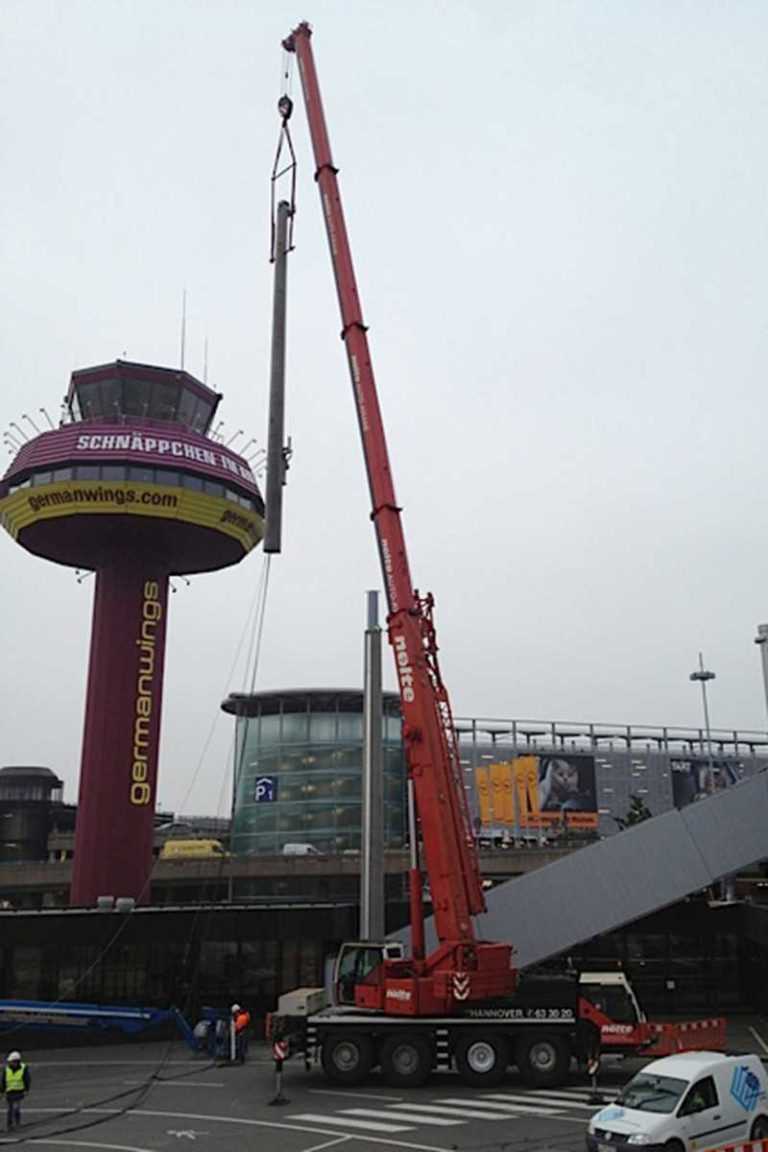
{"x":303,"y":29}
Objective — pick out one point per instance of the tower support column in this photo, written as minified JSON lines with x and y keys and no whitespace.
{"x":116,"y":804}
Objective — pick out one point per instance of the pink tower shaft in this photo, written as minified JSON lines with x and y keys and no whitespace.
{"x":116,"y":805}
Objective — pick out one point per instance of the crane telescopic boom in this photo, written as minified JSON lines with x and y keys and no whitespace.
{"x":429,"y":735}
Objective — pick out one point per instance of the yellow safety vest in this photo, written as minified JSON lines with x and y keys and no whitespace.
{"x":14,"y":1078}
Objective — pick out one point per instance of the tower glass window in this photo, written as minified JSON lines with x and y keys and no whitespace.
{"x":120,"y":391}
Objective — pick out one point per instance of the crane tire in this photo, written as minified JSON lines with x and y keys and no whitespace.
{"x":347,"y":1057}
{"x":482,"y":1059}
{"x":406,"y":1060}
{"x":543,"y":1059}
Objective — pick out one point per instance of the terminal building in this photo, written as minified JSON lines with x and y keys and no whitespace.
{"x":298,"y":765}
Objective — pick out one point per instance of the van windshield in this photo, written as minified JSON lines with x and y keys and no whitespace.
{"x":648,"y":1093}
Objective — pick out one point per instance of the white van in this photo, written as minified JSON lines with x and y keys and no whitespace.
{"x":300,"y":850}
{"x":686,"y":1103}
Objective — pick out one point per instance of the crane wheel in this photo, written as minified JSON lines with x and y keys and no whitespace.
{"x":482,"y":1060}
{"x":544,"y":1060}
{"x":406,"y":1060}
{"x":347,"y":1057}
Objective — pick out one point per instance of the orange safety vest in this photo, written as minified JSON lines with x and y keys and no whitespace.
{"x":242,"y":1020}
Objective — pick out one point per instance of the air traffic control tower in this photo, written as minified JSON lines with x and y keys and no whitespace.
{"x":133,"y":487}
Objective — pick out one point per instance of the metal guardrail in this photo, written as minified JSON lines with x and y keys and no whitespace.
{"x":579,"y":735}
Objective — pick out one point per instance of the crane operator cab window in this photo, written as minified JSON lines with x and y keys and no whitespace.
{"x":357,"y":963}
{"x":614,"y":1000}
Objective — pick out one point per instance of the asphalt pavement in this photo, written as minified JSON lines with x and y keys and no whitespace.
{"x":154,"y":1097}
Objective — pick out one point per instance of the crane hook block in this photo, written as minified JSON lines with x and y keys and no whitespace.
{"x":285,"y":107}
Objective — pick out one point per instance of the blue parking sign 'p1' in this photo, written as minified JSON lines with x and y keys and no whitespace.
{"x":265,"y":790}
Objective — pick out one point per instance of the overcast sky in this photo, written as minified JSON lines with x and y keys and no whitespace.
{"x":558,"y":215}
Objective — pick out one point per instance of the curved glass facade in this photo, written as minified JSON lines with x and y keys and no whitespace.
{"x":299,"y":768}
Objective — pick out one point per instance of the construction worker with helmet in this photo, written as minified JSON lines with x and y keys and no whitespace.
{"x":241,"y":1021}
{"x":15,"y":1081}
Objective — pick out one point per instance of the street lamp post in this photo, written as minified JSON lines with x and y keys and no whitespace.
{"x":701,"y":675}
{"x":762,"y":640}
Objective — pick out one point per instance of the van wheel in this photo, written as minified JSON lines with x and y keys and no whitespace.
{"x":543,"y":1061}
{"x":347,"y":1057}
{"x":674,"y":1146}
{"x":406,"y":1060}
{"x":759,"y":1129}
{"x":482,"y":1060}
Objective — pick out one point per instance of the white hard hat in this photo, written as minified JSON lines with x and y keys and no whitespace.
{"x":12,"y":1056}
{"x":235,"y":1008}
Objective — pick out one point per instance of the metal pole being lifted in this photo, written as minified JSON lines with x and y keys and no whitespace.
{"x":277,"y":461}
{"x":762,"y":640}
{"x":702,"y":676}
{"x":372,"y":859}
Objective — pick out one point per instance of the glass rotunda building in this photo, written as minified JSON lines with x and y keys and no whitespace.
{"x":298,"y":771}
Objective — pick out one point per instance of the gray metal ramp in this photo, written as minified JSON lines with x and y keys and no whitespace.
{"x":629,"y":875}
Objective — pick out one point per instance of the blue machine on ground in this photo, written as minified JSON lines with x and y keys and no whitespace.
{"x":209,"y":1035}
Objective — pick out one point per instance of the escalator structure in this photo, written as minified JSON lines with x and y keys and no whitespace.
{"x":624,"y":877}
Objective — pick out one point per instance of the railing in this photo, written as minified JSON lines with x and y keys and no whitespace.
{"x":575,"y":736}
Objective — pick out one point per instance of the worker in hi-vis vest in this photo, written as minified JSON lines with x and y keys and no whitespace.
{"x":15,"y":1082}
{"x":241,"y":1020}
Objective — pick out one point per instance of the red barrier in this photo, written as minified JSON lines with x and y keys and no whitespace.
{"x":747,"y":1146}
{"x":692,"y":1036}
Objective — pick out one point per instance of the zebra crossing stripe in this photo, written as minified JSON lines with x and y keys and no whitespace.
{"x":345,"y":1122}
{"x":538,"y":1110}
{"x":547,"y":1101}
{"x":463,"y":1113}
{"x":438,"y":1121}
{"x":569,"y":1093}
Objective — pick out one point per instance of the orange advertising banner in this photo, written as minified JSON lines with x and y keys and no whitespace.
{"x":483,"y":795}
{"x":501,"y":794}
{"x":539,"y":792}
{"x":527,"y":791}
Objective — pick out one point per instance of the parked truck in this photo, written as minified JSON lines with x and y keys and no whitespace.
{"x":462,"y":1002}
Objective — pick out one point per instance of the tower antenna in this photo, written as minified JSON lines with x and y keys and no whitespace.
{"x":183,"y":325}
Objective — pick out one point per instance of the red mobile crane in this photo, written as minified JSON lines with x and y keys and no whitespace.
{"x":463,"y":997}
{"x":461,"y":968}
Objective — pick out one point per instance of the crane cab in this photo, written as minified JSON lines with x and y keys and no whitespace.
{"x":612,"y":995}
{"x":358,"y":962}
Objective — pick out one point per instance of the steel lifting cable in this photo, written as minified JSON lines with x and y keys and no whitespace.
{"x":288,"y":171}
{"x":254,"y":657}
{"x":259,"y":624}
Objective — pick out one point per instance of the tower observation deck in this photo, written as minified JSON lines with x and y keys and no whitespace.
{"x":134,"y":488}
